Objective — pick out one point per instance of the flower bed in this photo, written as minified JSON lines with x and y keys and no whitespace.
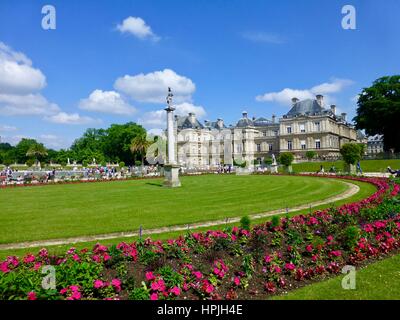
{"x":234,"y":263}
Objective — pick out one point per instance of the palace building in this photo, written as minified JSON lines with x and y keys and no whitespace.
{"x":308,"y":125}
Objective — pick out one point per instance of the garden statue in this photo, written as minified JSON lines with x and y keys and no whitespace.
{"x":274,"y":165}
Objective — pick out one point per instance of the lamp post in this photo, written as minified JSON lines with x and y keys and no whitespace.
{"x":171,"y":169}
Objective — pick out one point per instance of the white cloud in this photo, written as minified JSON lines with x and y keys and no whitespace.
{"x":71,"y":118}
{"x":285,"y":96}
{"x":30,"y":104}
{"x":152,"y":87}
{"x":17,"y":76}
{"x":53,"y":141}
{"x":6,"y":128}
{"x":107,"y":102}
{"x":263,"y":37}
{"x":158,"y":118}
{"x":138,"y":28}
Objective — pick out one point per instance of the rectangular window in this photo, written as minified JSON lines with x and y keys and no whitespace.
{"x":302,"y":127}
{"x":265,"y":133}
{"x":289,"y":145}
{"x":258,"y":147}
{"x":303,"y":144}
{"x":317,"y":126}
{"x":317,"y":144}
{"x":289,"y":129}
{"x":270,"y":146}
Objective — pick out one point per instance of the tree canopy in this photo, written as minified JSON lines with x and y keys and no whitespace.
{"x":378,"y":111}
{"x":105,"y":145}
{"x":352,"y":152}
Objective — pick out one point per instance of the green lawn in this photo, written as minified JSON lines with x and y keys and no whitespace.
{"x":366,"y":190}
{"x":37,"y":213}
{"x":366,"y":165}
{"x":377,"y":281}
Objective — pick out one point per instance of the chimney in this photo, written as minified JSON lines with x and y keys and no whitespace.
{"x":220,"y":123}
{"x":294,"y":101}
{"x":244,"y":113}
{"x":333,"y":109}
{"x":320,"y":99}
{"x":273,"y":118}
{"x":344,"y":116}
{"x":192,"y":117}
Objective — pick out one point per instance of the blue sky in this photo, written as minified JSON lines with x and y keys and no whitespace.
{"x":110,"y":61}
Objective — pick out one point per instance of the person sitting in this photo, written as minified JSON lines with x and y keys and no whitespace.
{"x":394,"y":172}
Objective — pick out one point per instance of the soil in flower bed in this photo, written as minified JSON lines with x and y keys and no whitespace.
{"x":234,"y":263}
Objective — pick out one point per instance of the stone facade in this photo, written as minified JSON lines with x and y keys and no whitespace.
{"x":307,"y":126}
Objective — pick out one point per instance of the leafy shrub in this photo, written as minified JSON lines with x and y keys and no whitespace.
{"x":171,"y":277}
{"x":122,"y":164}
{"x":311,"y":154}
{"x":275,"y":221}
{"x":286,"y":158}
{"x":245,"y":223}
{"x":351,"y":152}
{"x":141,"y":293}
{"x":351,"y":236}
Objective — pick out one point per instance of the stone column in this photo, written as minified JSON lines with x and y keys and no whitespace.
{"x":171,"y":169}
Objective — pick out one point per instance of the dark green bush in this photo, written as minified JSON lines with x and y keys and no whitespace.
{"x":245,"y":223}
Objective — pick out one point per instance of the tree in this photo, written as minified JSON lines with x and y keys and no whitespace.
{"x":286,"y":158}
{"x":378,"y":111}
{"x":21,"y":149}
{"x":352,"y":152}
{"x":37,"y":151}
{"x":311,"y":155}
{"x":118,"y":140}
{"x":140,"y":144}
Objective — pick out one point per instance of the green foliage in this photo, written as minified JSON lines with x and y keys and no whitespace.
{"x":379,"y":110}
{"x":141,"y":293}
{"x":30,"y":162}
{"x":122,"y":164}
{"x":275,"y":221}
{"x":240,"y":164}
{"x":82,"y":274}
{"x":248,"y":265}
{"x":286,"y":158}
{"x":310,"y":154}
{"x":388,"y":208}
{"x":351,"y":153}
{"x":268,"y":161}
{"x":171,"y":277}
{"x":138,"y":163}
{"x":351,"y":235}
{"x":245,"y":223}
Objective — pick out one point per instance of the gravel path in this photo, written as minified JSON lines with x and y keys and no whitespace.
{"x":352,"y":190}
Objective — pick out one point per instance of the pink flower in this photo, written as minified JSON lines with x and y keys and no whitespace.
{"x":154,"y":296}
{"x":32,"y":295}
{"x":309,"y":248}
{"x":176,"y":291}
{"x":198,"y":274}
{"x":336,"y":253}
{"x":150,"y":276}
{"x":29,"y":258}
{"x":74,"y":288}
{"x":268,"y":259}
{"x":98,"y":284}
{"x":116,"y":283}
{"x":37,"y":265}
{"x":290,"y":266}
{"x":236,"y":281}
{"x":4,"y":267}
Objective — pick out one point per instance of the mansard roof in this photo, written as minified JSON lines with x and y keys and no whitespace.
{"x":185,"y":123}
{"x":306,"y":107}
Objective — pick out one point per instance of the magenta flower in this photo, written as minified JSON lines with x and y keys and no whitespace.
{"x":176,"y":291}
{"x":150,"y":276}
{"x":236,"y":281}
{"x":32,"y":295}
{"x":198,"y":274}
{"x":98,"y":284}
{"x":116,"y":283}
{"x":154,"y":296}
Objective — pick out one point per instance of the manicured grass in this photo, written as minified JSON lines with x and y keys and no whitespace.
{"x":366,"y":189}
{"x":366,"y":165}
{"x":37,"y":213}
{"x":377,"y":281}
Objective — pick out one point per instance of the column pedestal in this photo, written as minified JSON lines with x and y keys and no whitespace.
{"x":171,"y":175}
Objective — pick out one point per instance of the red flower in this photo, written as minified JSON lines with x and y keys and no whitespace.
{"x":32,"y":295}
